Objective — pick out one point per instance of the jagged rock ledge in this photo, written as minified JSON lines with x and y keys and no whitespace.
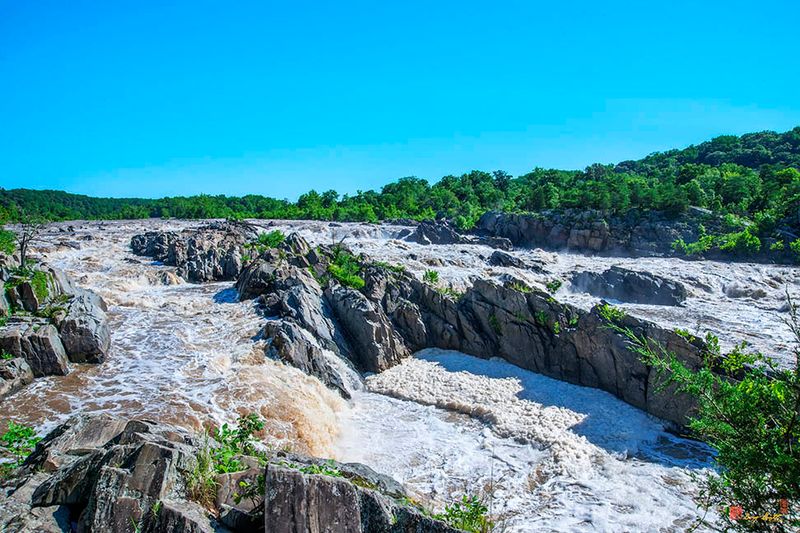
{"x":212,"y":252}
{"x":328,"y":329}
{"x":102,"y":474}
{"x":47,"y":325}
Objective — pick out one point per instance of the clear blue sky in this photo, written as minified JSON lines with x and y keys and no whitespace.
{"x":164,"y":98}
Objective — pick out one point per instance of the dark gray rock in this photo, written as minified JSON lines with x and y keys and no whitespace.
{"x":375,"y":344}
{"x":14,"y":375}
{"x":630,"y":286}
{"x":438,"y":232}
{"x":504,"y":259}
{"x":36,"y":341}
{"x":84,"y":328}
{"x":290,"y":343}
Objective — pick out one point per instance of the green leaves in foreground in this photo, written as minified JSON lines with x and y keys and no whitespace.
{"x":469,"y":514}
{"x":16,"y":444}
{"x":749,"y":414}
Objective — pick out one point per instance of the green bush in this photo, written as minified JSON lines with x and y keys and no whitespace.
{"x":610,"y":314}
{"x":553,"y":286}
{"x":431,"y":277}
{"x":8,"y":242}
{"x":273,"y":239}
{"x":346,"y":269}
{"x":741,"y":243}
{"x":751,"y":421}
{"x":470,"y":514}
{"x":17,"y":443}
{"x":794,"y":246}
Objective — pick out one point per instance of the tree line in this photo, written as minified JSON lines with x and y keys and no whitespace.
{"x":753,"y":176}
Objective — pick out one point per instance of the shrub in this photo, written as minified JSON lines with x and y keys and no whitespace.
{"x":701,"y":245}
{"x":777,"y":246}
{"x":431,"y":276}
{"x":469,"y":514}
{"x":794,"y":246}
{"x":519,"y":287}
{"x":273,"y":239}
{"x":39,"y":284}
{"x":494,"y":323}
{"x":610,"y":314}
{"x":345,"y":268}
{"x":743,"y":243}
{"x":553,"y":286}
{"x":18,"y":442}
{"x":751,"y":421}
{"x":8,"y":242}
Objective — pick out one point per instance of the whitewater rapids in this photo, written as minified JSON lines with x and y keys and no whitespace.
{"x":547,"y":455}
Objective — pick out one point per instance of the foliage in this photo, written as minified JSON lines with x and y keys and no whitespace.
{"x":450,"y":292}
{"x":345,"y":268}
{"x":794,"y":246}
{"x":519,"y":287}
{"x":743,"y":242}
{"x":328,"y":468}
{"x":273,"y":239}
{"x":431,"y":277}
{"x":8,"y":242}
{"x":611,"y":314}
{"x":751,"y":177}
{"x":751,"y":420}
{"x":397,"y":269}
{"x":553,"y":286}
{"x":494,"y":323}
{"x":6,"y":356}
{"x":222,"y":456}
{"x":700,"y":246}
{"x":18,"y":442}
{"x":469,"y":514}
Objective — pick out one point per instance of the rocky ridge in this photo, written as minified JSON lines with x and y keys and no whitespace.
{"x":47,"y":323}
{"x":311,"y":315}
{"x":104,"y":474}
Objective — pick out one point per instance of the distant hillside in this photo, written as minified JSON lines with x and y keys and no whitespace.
{"x":754,"y":177}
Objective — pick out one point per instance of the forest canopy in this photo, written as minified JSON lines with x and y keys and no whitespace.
{"x":755,"y":177}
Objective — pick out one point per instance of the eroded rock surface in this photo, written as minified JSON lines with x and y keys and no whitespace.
{"x":630,"y":286}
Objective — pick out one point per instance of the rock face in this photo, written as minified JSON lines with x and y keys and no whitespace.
{"x":439,"y":232}
{"x":632,"y":233}
{"x":63,"y":323}
{"x":302,"y":503}
{"x":38,"y":343}
{"x":101,"y":474}
{"x":535,"y":332}
{"x":630,"y":286}
{"x":212,"y":252}
{"x":14,"y":374}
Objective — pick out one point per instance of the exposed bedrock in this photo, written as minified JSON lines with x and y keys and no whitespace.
{"x":443,"y":232}
{"x":631,"y":233}
{"x":103,"y":474}
{"x":395,"y":314}
{"x":50,"y":326}
{"x":630,"y":286}
{"x":212,"y":252}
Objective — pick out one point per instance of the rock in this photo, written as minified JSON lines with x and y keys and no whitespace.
{"x":503,"y":259}
{"x":292,"y":344}
{"x":212,"y":252}
{"x":84,"y":329}
{"x":38,"y":343}
{"x":14,"y":374}
{"x":438,"y":232}
{"x":735,"y":290}
{"x":629,"y":286}
{"x":375,"y":344}
{"x":304,"y":503}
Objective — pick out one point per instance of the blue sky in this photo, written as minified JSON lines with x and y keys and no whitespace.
{"x":166,"y":98}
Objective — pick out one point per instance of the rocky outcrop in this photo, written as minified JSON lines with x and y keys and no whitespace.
{"x":102,"y":474}
{"x":443,"y":232}
{"x":630,"y":286}
{"x":634,"y":233}
{"x":302,"y":503}
{"x":213,"y":252}
{"x":533,"y":331}
{"x":503,"y":259}
{"x":61,"y":322}
{"x":36,"y":341}
{"x":14,"y":374}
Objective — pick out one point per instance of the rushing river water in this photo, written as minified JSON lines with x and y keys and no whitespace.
{"x":547,"y":455}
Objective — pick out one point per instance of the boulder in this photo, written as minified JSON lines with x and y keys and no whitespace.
{"x":736,"y":290}
{"x":14,"y":374}
{"x":292,"y":344}
{"x":375,"y":344}
{"x":503,"y":259}
{"x":37,"y":342}
{"x":630,"y":286}
{"x":84,"y":328}
{"x":437,"y":232}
